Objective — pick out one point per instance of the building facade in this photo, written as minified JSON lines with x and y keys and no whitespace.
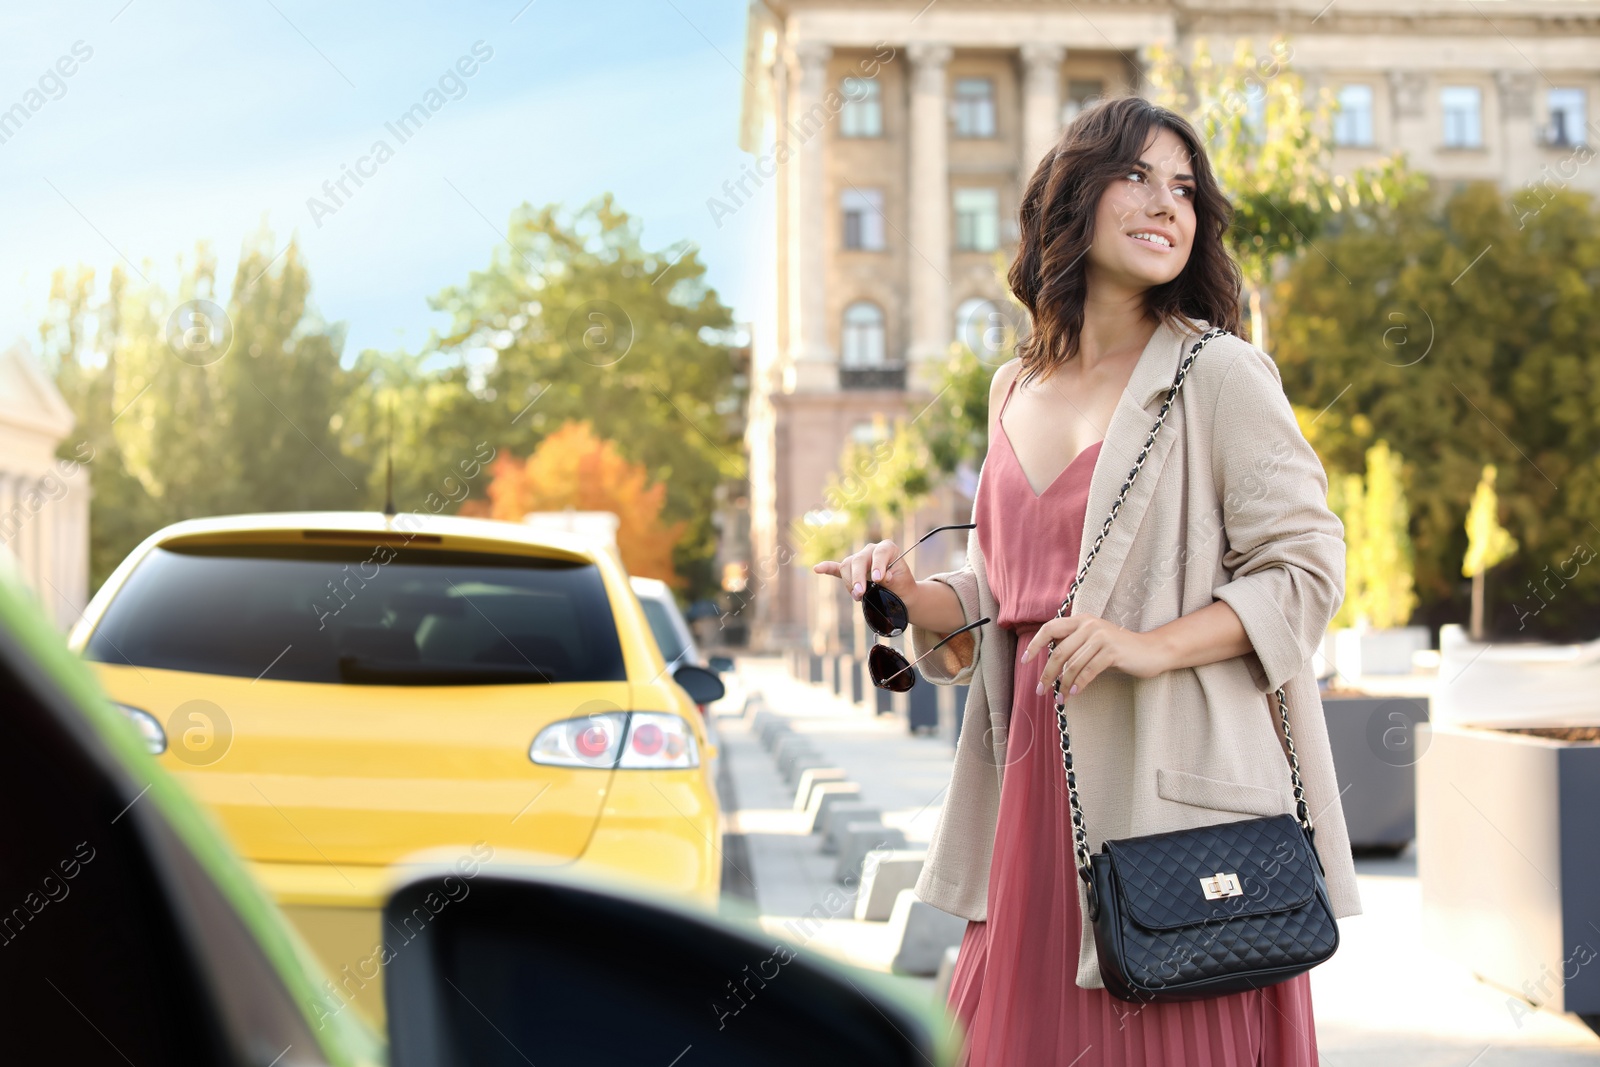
{"x":44,"y":500}
{"x":890,"y":143}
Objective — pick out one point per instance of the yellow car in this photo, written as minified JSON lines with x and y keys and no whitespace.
{"x":350,"y":691}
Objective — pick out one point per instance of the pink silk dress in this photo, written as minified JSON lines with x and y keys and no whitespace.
{"x":1015,"y":985}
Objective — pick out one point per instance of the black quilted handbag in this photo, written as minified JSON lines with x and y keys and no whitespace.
{"x":1218,"y":909}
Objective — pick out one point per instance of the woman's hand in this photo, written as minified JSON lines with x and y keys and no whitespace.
{"x":1087,"y":647}
{"x":869,"y":564}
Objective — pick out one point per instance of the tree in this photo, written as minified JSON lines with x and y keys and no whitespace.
{"x":1270,"y":149}
{"x":196,"y":408}
{"x":80,"y":343}
{"x":576,"y":321}
{"x":1464,"y":333}
{"x":1488,"y":543}
{"x":1378,"y":550}
{"x":573,"y":468}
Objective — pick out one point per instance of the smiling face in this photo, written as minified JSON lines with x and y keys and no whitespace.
{"x":1144,"y":225}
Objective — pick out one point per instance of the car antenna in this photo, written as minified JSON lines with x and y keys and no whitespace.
{"x":388,"y":461}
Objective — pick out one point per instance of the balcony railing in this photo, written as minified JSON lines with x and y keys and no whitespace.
{"x":882,"y":376}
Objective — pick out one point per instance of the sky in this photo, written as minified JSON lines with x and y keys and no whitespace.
{"x":185,"y":121}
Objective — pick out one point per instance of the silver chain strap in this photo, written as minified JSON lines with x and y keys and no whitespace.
{"x":1079,"y":836}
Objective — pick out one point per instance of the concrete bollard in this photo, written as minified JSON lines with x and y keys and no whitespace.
{"x":857,"y":840}
{"x":791,"y":746}
{"x":800,"y":766}
{"x":774,"y":732}
{"x":923,"y":933}
{"x":884,"y":874}
{"x":840,"y":816}
{"x":825,"y":794}
{"x":811,"y":777}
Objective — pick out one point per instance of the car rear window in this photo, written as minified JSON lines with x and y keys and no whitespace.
{"x":360,"y":614}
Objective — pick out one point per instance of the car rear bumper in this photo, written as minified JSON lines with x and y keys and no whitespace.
{"x":659,"y":830}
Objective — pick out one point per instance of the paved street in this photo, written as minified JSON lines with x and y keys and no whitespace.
{"x":1385,"y":1000}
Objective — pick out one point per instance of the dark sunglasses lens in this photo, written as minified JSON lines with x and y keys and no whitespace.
{"x":889,"y":669}
{"x":885,"y":612}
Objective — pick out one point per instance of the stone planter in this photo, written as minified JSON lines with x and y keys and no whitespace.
{"x":1359,"y":652}
{"x":1508,"y":856}
{"x":1374,"y":743}
{"x":1505,"y":684}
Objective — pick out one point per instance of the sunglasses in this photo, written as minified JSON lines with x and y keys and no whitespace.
{"x":885,"y":614}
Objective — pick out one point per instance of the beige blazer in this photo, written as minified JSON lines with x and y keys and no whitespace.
{"x":1230,"y":505}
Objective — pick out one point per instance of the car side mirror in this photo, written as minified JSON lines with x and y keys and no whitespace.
{"x":702,"y":686}
{"x":514,"y":968}
{"x":722,"y":664}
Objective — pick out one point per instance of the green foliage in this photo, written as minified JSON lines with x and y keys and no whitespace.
{"x":1488,"y":543}
{"x":1464,"y":334}
{"x":877,"y":486}
{"x":575,"y":321}
{"x":1378,"y":550}
{"x":179,"y":434}
{"x":1270,"y":149}
{"x":955,"y":428}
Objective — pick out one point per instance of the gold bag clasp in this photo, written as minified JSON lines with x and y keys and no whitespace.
{"x":1221,"y":885}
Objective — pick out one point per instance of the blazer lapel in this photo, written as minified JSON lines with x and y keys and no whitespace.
{"x":1125,"y":436}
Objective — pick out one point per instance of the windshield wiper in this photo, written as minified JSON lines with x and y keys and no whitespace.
{"x":358,"y":671}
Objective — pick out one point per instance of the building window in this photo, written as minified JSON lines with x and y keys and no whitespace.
{"x":1463,"y":116}
{"x":869,"y":431}
{"x":1352,"y":126}
{"x":980,"y":327}
{"x":863,"y":336}
{"x":863,"y":108}
{"x":977,"y":220}
{"x":1567,"y":126}
{"x":863,"y":219}
{"x":974,"y":107}
{"x":1081,"y":95}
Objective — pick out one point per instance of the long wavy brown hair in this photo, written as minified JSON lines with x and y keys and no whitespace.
{"x":1050,"y":274}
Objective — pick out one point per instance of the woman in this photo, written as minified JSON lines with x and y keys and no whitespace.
{"x":1213,"y":587}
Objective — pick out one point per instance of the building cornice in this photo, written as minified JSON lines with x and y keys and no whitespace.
{"x":912,"y":20}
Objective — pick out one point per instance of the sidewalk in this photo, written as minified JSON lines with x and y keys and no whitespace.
{"x":1384,"y":1000}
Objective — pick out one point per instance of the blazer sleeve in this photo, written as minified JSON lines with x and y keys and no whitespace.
{"x":1285,"y":551}
{"x":955,"y":663}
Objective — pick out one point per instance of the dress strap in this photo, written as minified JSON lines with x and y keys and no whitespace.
{"x":1009,"y":389}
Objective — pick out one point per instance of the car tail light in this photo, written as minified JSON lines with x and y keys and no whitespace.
{"x":659,"y":739}
{"x":644,"y":739}
{"x":155,"y":738}
{"x":591,"y":741}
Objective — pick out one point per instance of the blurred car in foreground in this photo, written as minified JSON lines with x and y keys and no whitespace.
{"x":348,"y":691}
{"x":137,"y":937}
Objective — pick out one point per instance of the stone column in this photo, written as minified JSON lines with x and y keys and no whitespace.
{"x":1041,"y":103}
{"x":1408,"y":97}
{"x":929,"y":185}
{"x":1518,"y":146}
{"x":811,"y":364}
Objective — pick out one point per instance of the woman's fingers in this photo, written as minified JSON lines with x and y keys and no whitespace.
{"x":1101,"y":661}
{"x":1053,"y":630}
{"x":859,"y":568}
{"x":883,"y":553}
{"x":1065,"y":649}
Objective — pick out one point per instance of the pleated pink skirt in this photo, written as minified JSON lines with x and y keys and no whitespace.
{"x":1015,"y":986}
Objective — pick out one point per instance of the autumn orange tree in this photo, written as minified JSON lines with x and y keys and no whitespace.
{"x":575,"y":468}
